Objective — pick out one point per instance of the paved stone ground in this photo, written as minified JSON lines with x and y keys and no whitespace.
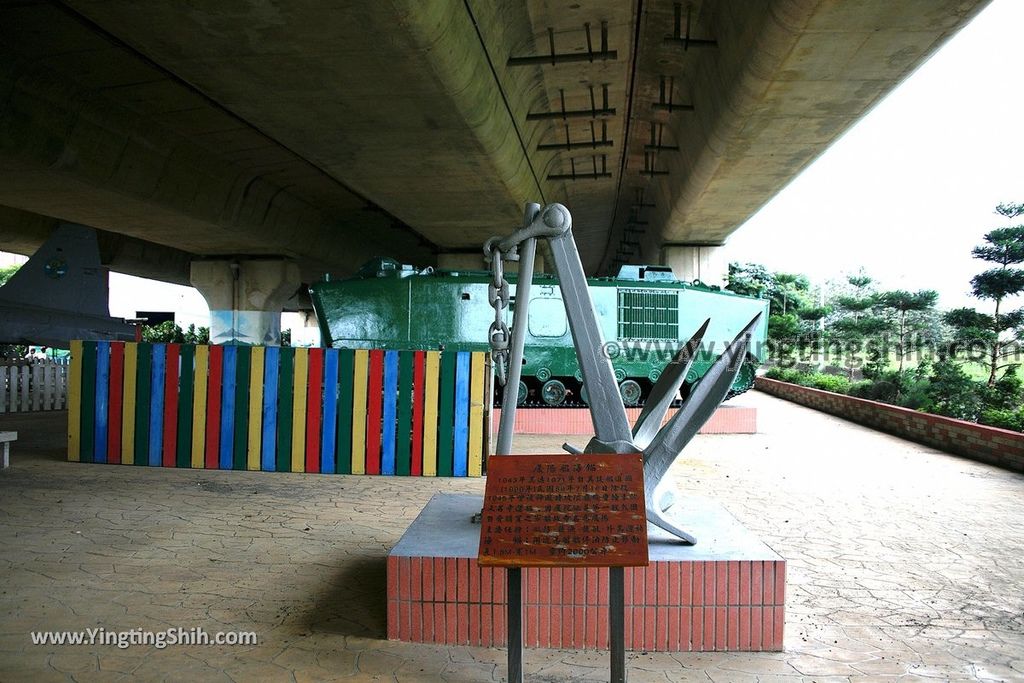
{"x":904,"y":564}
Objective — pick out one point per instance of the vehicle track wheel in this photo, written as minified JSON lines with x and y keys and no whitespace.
{"x":630,"y":392}
{"x":553,"y":392}
{"x":523,"y":394}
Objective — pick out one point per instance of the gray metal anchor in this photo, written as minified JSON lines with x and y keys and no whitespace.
{"x":668,"y":443}
{"x":660,"y":446}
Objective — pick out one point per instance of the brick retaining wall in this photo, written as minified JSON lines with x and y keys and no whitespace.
{"x":992,"y":445}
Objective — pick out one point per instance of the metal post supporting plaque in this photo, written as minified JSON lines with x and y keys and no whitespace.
{"x":523,"y":526}
{"x":617,"y":624}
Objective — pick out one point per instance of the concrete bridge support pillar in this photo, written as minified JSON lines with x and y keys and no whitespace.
{"x":246,"y":297}
{"x":706,"y":263}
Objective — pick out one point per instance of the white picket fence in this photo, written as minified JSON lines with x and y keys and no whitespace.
{"x":34,"y":385}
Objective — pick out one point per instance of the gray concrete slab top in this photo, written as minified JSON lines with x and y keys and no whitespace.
{"x":447,"y":519}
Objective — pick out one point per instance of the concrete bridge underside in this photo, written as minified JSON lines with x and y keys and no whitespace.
{"x":330,"y":133}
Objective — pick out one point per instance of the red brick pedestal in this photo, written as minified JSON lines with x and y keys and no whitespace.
{"x":725,"y":593}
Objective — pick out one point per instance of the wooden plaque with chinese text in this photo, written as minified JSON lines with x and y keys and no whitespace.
{"x":564,"y":511}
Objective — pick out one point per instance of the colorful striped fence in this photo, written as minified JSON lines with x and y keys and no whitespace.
{"x":278,"y":409}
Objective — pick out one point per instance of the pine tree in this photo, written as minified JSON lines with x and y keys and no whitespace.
{"x":1001,"y":330}
{"x":911,"y":311}
{"x":857,"y":325}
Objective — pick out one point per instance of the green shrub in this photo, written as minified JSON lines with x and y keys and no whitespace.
{"x":1003,"y":418}
{"x":943,"y":389}
{"x":916,"y":395}
{"x":816,"y":380}
{"x":882,"y":390}
{"x":819,"y":380}
{"x":168,"y":332}
{"x":13,"y":351}
{"x":1006,"y":394}
{"x":953,"y":393}
{"x":791,"y":375}
{"x":860,"y":389}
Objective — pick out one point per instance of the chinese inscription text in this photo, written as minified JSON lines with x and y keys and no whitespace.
{"x":564,"y":510}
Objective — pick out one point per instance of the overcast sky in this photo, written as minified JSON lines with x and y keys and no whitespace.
{"x":911,"y":188}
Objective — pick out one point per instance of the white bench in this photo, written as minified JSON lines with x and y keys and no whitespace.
{"x":5,"y":442}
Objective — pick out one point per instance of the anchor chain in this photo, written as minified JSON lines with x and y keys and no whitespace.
{"x":498,"y":334}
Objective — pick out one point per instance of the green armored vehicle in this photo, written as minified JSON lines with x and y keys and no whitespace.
{"x":646,"y":316}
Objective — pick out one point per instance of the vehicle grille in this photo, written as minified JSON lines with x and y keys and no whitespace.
{"x":647,"y":314}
